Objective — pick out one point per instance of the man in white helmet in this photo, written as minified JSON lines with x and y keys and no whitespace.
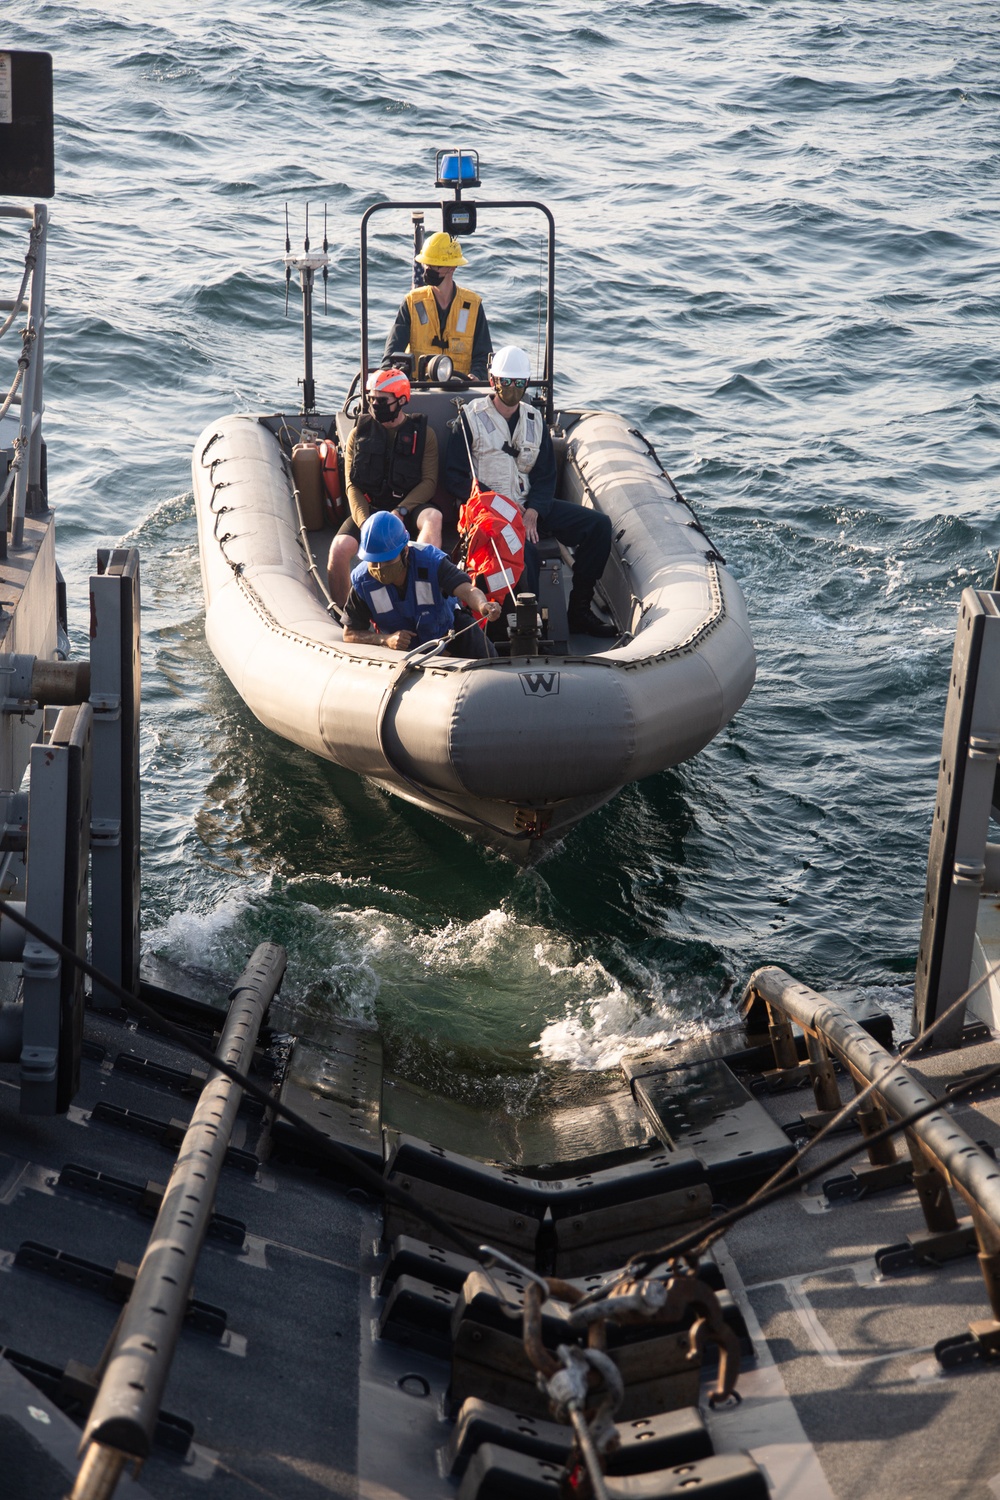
{"x":440,"y":317}
{"x":513,"y":455}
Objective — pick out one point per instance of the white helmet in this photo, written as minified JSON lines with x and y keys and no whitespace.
{"x":510,"y":363}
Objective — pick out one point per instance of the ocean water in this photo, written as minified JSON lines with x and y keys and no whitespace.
{"x":777,"y":255}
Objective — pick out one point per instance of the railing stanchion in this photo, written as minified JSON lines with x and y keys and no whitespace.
{"x":821,"y":1075}
{"x":782,"y":1039}
{"x":932,"y":1190}
{"x":988,"y":1236}
{"x":943,"y":1155}
{"x":872,"y":1118}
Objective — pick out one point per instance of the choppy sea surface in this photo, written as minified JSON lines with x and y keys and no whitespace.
{"x":777,"y":255}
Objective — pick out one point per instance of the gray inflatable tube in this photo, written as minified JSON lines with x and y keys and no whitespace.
{"x":511,"y":751}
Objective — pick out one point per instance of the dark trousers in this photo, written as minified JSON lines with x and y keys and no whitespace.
{"x":474,"y":643}
{"x":587,"y":532}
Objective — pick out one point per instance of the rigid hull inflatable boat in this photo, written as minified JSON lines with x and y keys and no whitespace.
{"x":516,"y":749}
{"x":502,"y":747}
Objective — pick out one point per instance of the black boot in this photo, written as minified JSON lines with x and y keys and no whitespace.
{"x":580,"y":616}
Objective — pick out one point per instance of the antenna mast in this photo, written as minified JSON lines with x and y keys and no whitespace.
{"x":307,"y":264}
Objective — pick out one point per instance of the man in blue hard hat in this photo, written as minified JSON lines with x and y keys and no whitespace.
{"x":404,"y":593}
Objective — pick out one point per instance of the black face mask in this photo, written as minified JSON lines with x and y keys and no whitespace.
{"x":383,"y":409}
{"x":432,"y":276}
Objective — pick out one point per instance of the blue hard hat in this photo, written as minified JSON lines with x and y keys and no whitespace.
{"x":383,"y":537}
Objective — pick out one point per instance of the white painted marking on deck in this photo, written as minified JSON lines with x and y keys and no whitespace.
{"x":31,"y":1177}
{"x":865,"y":1273}
{"x":200,"y":1463}
{"x":9,"y":1186}
{"x":254,"y":1252}
{"x":766,"y":1424}
{"x":255,"y":1248}
{"x":234,"y":1343}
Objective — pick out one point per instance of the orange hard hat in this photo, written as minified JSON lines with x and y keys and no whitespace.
{"x":389,"y":383}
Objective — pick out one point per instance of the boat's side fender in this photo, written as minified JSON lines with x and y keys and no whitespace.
{"x":566,"y":729}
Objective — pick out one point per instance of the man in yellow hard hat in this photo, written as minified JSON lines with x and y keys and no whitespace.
{"x":440,"y":317}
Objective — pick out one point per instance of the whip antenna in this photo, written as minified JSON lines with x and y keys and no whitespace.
{"x":538,"y":333}
{"x":418,"y":244}
{"x":288,"y":268}
{"x":326,"y":268}
{"x":307,"y":264}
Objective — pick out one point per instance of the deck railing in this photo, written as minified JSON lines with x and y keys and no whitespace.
{"x":943,"y":1156}
{"x":24,"y":478}
{"x":137,"y":1362}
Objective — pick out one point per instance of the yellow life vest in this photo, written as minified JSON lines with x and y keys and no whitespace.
{"x":456,"y":340}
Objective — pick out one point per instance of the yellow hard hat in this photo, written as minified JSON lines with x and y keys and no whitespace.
{"x":441,"y":250}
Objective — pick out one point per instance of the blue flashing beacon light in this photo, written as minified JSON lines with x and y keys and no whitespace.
{"x":457,"y":169}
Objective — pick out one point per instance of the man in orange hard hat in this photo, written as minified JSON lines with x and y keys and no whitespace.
{"x":391,"y":463}
{"x":440,"y":317}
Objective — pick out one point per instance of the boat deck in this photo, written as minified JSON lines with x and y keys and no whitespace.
{"x":308,"y":1340}
{"x":440,"y":408}
{"x":263,"y":1391}
{"x":845,"y":1353}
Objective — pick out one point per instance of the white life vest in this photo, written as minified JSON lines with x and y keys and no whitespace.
{"x":506,"y":473}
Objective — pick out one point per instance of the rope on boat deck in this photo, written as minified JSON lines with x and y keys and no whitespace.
{"x":418,"y":656}
{"x":28,"y":338}
{"x":30,"y":260}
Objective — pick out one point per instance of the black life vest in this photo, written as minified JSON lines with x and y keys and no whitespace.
{"x":387,"y":465}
